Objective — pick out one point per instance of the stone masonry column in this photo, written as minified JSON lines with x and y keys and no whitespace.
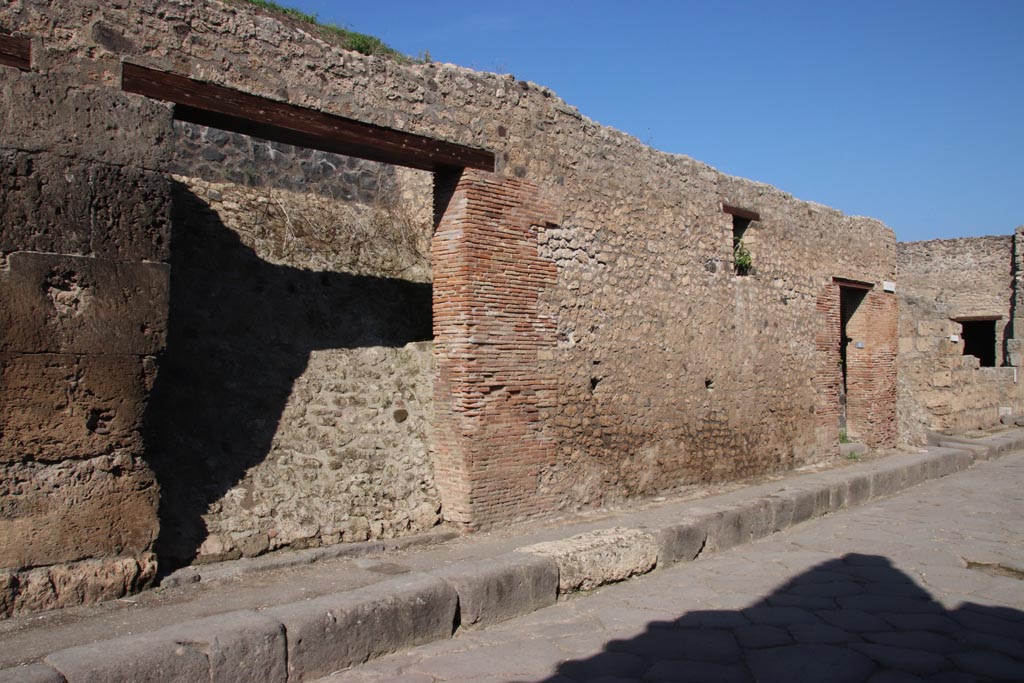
{"x":84,"y":235}
{"x":489,"y":390}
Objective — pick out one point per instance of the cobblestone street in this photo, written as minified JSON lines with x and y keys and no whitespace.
{"x":924,"y":586}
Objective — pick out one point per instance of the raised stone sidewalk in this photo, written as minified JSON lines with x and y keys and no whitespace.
{"x":461,"y":584}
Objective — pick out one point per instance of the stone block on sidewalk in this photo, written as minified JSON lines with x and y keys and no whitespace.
{"x":336,"y":631}
{"x":594,"y":558}
{"x":682,"y":541}
{"x":496,"y":589}
{"x":31,"y":673}
{"x":236,"y":647}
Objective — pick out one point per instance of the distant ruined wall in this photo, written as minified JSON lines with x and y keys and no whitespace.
{"x":941,"y":281}
{"x":592,"y":340}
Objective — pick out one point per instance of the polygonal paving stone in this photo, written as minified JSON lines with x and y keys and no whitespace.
{"x":938,"y":623}
{"x":905,"y":659}
{"x":887,"y":603}
{"x":989,"y":664}
{"x":811,"y":662}
{"x":1011,"y":647}
{"x":890,"y":676}
{"x":712,"y":619}
{"x":757,"y":636}
{"x":713,"y":645}
{"x":604,"y":664}
{"x":832,"y":589}
{"x":801,"y":601}
{"x":780,"y":616}
{"x":853,"y":620}
{"x":821,"y":633}
{"x":916,"y":640}
{"x":683,"y":671}
{"x":987,"y":624}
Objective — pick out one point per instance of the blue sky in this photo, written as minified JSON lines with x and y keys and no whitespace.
{"x":906,"y":110}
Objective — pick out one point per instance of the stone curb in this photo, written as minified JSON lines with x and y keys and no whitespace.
{"x":232,"y":568}
{"x":306,"y":640}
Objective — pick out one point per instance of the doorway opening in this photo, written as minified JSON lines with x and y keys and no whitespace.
{"x":851,"y":340}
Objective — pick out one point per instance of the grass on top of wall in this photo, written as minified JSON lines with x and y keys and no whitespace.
{"x":350,"y":40}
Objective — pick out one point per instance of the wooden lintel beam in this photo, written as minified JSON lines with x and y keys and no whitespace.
{"x":16,"y":51}
{"x":741,"y":213}
{"x":215,"y":105}
{"x":976,"y":318}
{"x":853,"y":284}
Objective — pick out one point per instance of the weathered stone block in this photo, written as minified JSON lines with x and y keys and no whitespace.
{"x":859,"y":489}
{"x":69,"y":304}
{"x":336,"y":631}
{"x":594,"y":558}
{"x":57,"y":114}
{"x":67,"y":585}
{"x":146,"y":658}
{"x":52,"y":513}
{"x":32,"y":673}
{"x":70,"y":206}
{"x":681,"y":542}
{"x":56,"y":407}
{"x":237,"y":647}
{"x":503,"y":587}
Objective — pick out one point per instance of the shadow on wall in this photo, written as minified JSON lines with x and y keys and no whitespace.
{"x":239,"y":334}
{"x":847,"y":620}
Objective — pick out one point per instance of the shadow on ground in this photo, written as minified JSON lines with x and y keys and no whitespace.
{"x":239,"y":334}
{"x":850,"y":620}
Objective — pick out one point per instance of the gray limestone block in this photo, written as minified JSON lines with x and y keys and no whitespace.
{"x":782,"y":511}
{"x":980,"y":451}
{"x":499,"y":588}
{"x":336,"y":631}
{"x":808,"y":501}
{"x":594,"y":558}
{"x":859,"y":489}
{"x":756,"y":519}
{"x":682,"y":541}
{"x":68,"y":304}
{"x":236,"y":647}
{"x":888,"y":480}
{"x":147,"y":658}
{"x":242,"y":646}
{"x":31,"y":673}
{"x":739,"y":523}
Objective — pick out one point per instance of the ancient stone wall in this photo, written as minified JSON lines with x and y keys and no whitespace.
{"x":941,"y":282}
{"x":295,"y":386}
{"x":593,"y":340}
{"x":84,"y":283}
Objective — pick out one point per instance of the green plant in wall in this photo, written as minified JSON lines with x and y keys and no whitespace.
{"x":742,"y":259}
{"x":844,"y":437}
{"x":350,"y":40}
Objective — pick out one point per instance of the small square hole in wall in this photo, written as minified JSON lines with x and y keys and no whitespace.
{"x":979,"y":338}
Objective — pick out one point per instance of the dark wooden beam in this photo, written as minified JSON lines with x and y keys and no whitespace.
{"x":853,"y":284}
{"x":215,"y":105}
{"x":16,"y":51}
{"x":741,"y":213}
{"x":976,"y":318}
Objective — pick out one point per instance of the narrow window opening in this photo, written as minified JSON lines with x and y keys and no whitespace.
{"x":742,"y":260}
{"x":979,"y":338}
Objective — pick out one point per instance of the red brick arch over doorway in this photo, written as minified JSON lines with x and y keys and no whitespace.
{"x":489,"y":394}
